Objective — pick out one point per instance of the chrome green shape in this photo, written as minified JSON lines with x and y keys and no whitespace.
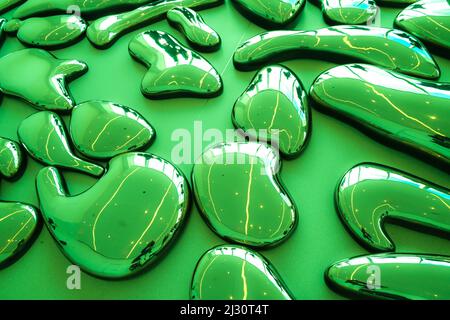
{"x":274,"y":107}
{"x":174,"y":71}
{"x":412,"y":113}
{"x":49,"y":32}
{"x":349,"y":11}
{"x":122,"y":223}
{"x":199,"y":35}
{"x":370,"y":194}
{"x":103,"y":32}
{"x":101,"y":129}
{"x":40,"y":78}
{"x":390,"y":48}
{"x":429,"y":21}
{"x":239,"y":194}
{"x":6,"y":5}
{"x":230,"y":272}
{"x":44,"y":137}
{"x":19,"y":224}
{"x":11,"y":159}
{"x":397,"y":276}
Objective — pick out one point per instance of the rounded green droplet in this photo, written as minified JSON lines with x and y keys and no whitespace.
{"x":12,"y":26}
{"x":349,"y":11}
{"x":11,"y":159}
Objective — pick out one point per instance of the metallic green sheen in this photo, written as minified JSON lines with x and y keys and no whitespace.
{"x":104,"y":32}
{"x":174,"y":70}
{"x":369,"y":194}
{"x":402,"y":276}
{"x":44,"y":137}
{"x":410,"y":112}
{"x":199,"y":35}
{"x":428,"y":21}
{"x":122,"y":223}
{"x":393,"y":49}
{"x":101,"y":129}
{"x":349,"y":11}
{"x":230,"y":272}
{"x":275,"y":104}
{"x":6,"y":5}
{"x":2,"y":26}
{"x":240,"y":196}
{"x":40,"y":78}
{"x":11,"y":159}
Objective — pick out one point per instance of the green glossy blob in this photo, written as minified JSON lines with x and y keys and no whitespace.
{"x":11,"y":159}
{"x":6,"y":5}
{"x":399,"y":276}
{"x":429,"y":21}
{"x":12,"y":26}
{"x":271,"y":13}
{"x":349,"y":11}
{"x":174,"y":70}
{"x":231,"y":272}
{"x":2,"y":26}
{"x":239,"y":193}
{"x":410,"y":112}
{"x":122,"y":223}
{"x":389,"y":48}
{"x":44,"y":137}
{"x":40,"y":78}
{"x":275,"y":105}
{"x":197,"y":32}
{"x":105,"y":31}
{"x":101,"y":129}
{"x":368,"y":194}
{"x":18,"y":224}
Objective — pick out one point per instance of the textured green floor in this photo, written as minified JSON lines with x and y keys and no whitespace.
{"x":320,"y":238}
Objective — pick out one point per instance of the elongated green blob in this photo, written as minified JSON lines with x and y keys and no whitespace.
{"x":6,"y":5}
{"x":349,"y":11}
{"x":2,"y":25}
{"x":11,"y":159}
{"x":389,"y":48}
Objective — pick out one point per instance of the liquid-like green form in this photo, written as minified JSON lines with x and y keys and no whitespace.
{"x":349,"y":11}
{"x":6,"y":5}
{"x":389,"y":48}
{"x":2,"y":25}
{"x":122,"y":223}
{"x":104,"y":32}
{"x":11,"y":159}
{"x":368,"y":194}
{"x":275,"y":14}
{"x":428,"y":21}
{"x":410,"y":112}
{"x":49,"y":32}
{"x":40,"y":78}
{"x":393,"y":276}
{"x":101,"y":129}
{"x":44,"y":137}
{"x":231,"y":272}
{"x":240,"y":196}
{"x":200,"y":36}
{"x":174,"y":71}
{"x":275,"y":105}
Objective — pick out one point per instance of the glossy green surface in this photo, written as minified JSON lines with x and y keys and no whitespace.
{"x":11,"y":158}
{"x":401,"y":276}
{"x":104,"y":32}
{"x":410,"y":112}
{"x":101,"y":129}
{"x":389,"y":48}
{"x":6,"y":5}
{"x":40,"y":78}
{"x":275,"y":104}
{"x":44,"y":137}
{"x":229,"y":272}
{"x":429,"y":21}
{"x":349,"y":11}
{"x":239,"y":193}
{"x":369,"y":194}
{"x":395,"y":2}
{"x":199,"y":35}
{"x":2,"y":26}
{"x":122,"y":223}
{"x":174,"y":70}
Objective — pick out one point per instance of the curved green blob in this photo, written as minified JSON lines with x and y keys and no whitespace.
{"x":368,"y":194}
{"x":428,"y":21}
{"x":349,"y":11}
{"x":393,"y":49}
{"x":393,"y":276}
{"x":6,"y":5}
{"x":11,"y":159}
{"x":101,"y":129}
{"x":275,"y":107}
{"x":240,"y":196}
{"x":12,"y":26}
{"x":103,"y":32}
{"x":19,"y":224}
{"x":44,"y":137}
{"x":2,"y":26}
{"x":174,"y":70}
{"x":121,"y":224}
{"x":199,"y":35}
{"x":410,"y":112}
{"x":40,"y":78}
{"x":230,"y":272}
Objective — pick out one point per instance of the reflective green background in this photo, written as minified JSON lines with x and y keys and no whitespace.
{"x":335,"y":147}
